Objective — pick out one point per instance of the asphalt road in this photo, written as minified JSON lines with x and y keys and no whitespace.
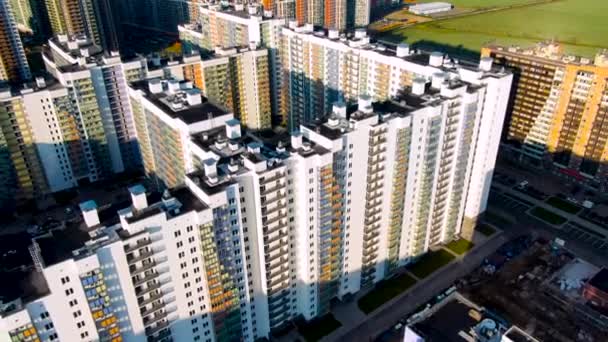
{"x":422,"y":292}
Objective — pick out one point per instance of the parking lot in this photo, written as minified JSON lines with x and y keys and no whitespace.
{"x":508,"y":202}
{"x":594,"y":239}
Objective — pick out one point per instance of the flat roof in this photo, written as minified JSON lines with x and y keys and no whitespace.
{"x":600,"y":280}
{"x":61,"y":243}
{"x":190,"y":114}
{"x":445,"y":324}
{"x":515,"y":334}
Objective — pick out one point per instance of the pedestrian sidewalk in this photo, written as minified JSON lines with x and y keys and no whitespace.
{"x":351,"y":317}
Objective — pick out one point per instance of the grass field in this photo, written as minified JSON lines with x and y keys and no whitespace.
{"x":385,"y":291}
{"x":430,"y":262}
{"x":580,"y":26}
{"x":548,"y":216}
{"x":564,"y":205}
{"x":484,"y":3}
{"x":460,"y":246}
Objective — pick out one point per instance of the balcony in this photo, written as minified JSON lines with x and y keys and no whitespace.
{"x":146,"y":265}
{"x":373,"y":196}
{"x":278,"y":296}
{"x":279,"y":196}
{"x":280,"y":236}
{"x":268,"y":222}
{"x":279,"y":305}
{"x":275,"y":271}
{"x":160,"y":326}
{"x":272,"y":189}
{"x":275,"y":247}
{"x":160,"y":315}
{"x":149,"y":276}
{"x":142,"y":255}
{"x":140,"y":291}
{"x":272,"y":266}
{"x":153,"y":308}
{"x":162,"y":337}
{"x":267,"y":212}
{"x":283,"y":251}
{"x":274,"y":282}
{"x":139,"y":244}
{"x":375,"y":151}
{"x":153,"y":297}
{"x":278,"y":175}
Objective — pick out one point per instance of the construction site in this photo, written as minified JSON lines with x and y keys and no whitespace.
{"x":538,"y":285}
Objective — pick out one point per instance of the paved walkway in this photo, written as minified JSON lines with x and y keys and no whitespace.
{"x":358,"y":327}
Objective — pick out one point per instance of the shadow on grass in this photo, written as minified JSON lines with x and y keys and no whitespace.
{"x":460,"y":246}
{"x":548,"y":216}
{"x":384,"y":291}
{"x":317,"y":328}
{"x":431,"y":262}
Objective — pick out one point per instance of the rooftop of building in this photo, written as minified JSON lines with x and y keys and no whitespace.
{"x":456,"y":319}
{"x":570,"y":279}
{"x":515,"y":334}
{"x":360,"y":40}
{"x":600,"y":280}
{"x":240,"y":10}
{"x":59,"y":245}
{"x":78,"y":53}
{"x":552,"y":51}
{"x":180,"y":100}
{"x":173,"y":202}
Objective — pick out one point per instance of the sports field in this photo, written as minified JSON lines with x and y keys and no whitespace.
{"x":579,"y":25}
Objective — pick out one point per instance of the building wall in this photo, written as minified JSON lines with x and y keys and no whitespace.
{"x":13,"y":63}
{"x":557,"y":111}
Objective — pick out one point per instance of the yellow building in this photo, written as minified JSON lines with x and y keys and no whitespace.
{"x":13,"y":63}
{"x":558,"y":114}
{"x":21,"y":175}
{"x":239,"y":80}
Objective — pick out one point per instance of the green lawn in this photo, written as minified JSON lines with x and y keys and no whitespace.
{"x":318,"y":328}
{"x":385,"y":291}
{"x":548,"y":216}
{"x":460,"y":246}
{"x":580,"y":26}
{"x":564,"y":205}
{"x":431,"y":262}
{"x":485,"y":229}
{"x":484,"y":3}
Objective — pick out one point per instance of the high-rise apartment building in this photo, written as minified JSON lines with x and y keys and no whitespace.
{"x":13,"y":63}
{"x":258,"y":232}
{"x":166,"y":112}
{"x":558,"y":111}
{"x":72,"y":17}
{"x":21,"y":174}
{"x":94,"y":19}
{"x":240,"y":80}
{"x":321,"y":69}
{"x":159,"y":269}
{"x":333,"y":14}
{"x":241,"y":27}
{"x":95,"y":84}
{"x":24,"y":12}
{"x":76,"y":126}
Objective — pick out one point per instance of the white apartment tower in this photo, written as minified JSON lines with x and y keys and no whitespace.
{"x":255,"y":232}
